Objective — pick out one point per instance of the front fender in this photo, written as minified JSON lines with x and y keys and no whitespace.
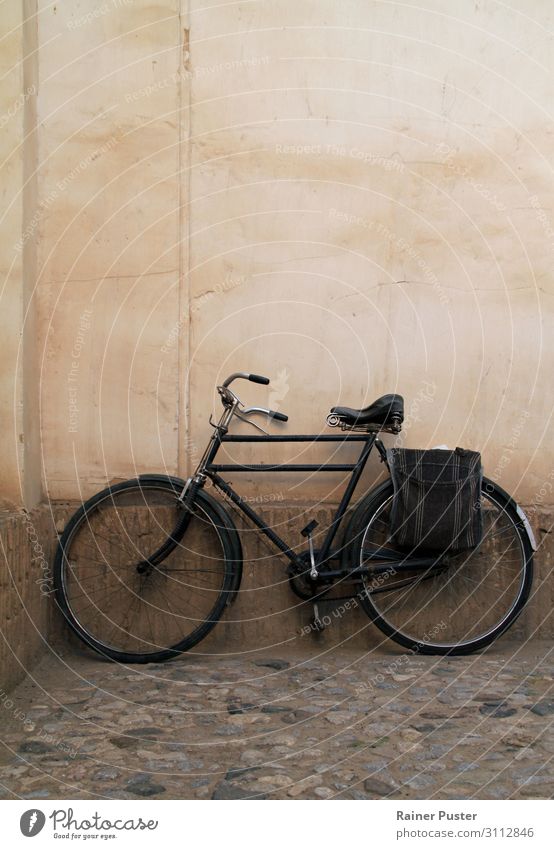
{"x":223,"y":517}
{"x":178,"y":483}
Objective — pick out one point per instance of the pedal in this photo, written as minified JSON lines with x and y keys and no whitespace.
{"x":310,"y":528}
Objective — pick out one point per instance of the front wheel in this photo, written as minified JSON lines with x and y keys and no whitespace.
{"x":139,"y":579}
{"x":460,"y":604}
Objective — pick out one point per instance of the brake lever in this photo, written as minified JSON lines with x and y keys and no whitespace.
{"x":244,"y":419}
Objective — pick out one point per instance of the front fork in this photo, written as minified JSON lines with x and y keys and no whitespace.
{"x":198,"y":478}
{"x":187,"y":499}
{"x":187,"y":496}
{"x":190,"y":490}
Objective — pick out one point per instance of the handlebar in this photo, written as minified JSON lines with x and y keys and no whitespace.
{"x":255,"y":378}
{"x":229,"y":397}
{"x":258,"y":378}
{"x":272,"y":414}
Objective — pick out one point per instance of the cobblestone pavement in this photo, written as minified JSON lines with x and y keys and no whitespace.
{"x":319,"y":726}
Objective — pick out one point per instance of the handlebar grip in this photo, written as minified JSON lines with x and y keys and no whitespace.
{"x":280,"y":417}
{"x":258,"y":378}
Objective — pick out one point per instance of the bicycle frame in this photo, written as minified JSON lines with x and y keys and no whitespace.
{"x":208,"y":468}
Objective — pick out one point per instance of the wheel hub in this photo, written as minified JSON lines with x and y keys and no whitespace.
{"x":145,"y":568}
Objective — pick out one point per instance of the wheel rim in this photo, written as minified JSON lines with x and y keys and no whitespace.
{"x":126,"y":609}
{"x":459,"y":604}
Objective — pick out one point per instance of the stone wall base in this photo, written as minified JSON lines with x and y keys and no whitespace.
{"x":266,"y":615}
{"x":27,"y":615}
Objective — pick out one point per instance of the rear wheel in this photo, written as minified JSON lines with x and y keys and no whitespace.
{"x":460,"y":604}
{"x":140,"y":580}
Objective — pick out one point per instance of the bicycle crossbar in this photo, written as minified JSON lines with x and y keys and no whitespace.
{"x":211,"y":469}
{"x":294,"y":438}
{"x":302,"y":467}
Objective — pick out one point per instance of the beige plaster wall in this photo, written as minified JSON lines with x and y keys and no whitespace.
{"x":109,"y":244}
{"x":32,"y":487}
{"x":20,"y":478}
{"x":354,"y":198}
{"x":379,"y":178}
{"x":25,"y":534}
{"x":11,"y":263}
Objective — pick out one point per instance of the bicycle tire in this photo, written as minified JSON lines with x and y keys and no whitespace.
{"x":208,"y":519}
{"x":374,"y":509}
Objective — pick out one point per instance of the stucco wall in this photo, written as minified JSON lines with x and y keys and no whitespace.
{"x":108,"y":240}
{"x":376,"y":180}
{"x":10,"y":262}
{"x":19,"y":430}
{"x":25,"y":538}
{"x":353,"y":198}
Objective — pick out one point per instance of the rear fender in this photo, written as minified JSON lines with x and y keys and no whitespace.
{"x":519,"y":510}
{"x":353,"y":527}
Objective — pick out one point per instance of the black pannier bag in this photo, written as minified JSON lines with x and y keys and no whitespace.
{"x":437,"y":498}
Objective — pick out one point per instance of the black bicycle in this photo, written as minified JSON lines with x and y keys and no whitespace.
{"x":145,"y":568}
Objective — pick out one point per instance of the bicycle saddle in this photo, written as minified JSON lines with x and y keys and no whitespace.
{"x":378,"y":413}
